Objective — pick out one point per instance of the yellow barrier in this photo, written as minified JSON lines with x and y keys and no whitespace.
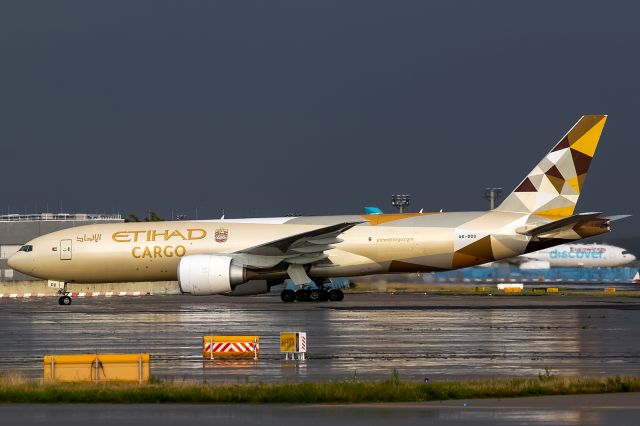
{"x":97,"y":368}
{"x":481,"y":289}
{"x":552,"y":290}
{"x":230,"y":346}
{"x":294,"y":343}
{"x":610,"y":290}
{"x":513,"y":290}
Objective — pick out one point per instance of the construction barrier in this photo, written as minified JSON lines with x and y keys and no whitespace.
{"x":294,"y":343}
{"x":513,"y":290}
{"x":552,"y":290}
{"x":230,"y":346}
{"x":97,"y":368}
{"x":610,"y":290}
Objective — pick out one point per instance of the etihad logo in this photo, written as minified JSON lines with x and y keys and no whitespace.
{"x":85,"y":237}
{"x":159,"y":235}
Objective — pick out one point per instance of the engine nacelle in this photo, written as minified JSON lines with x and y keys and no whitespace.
{"x":204,"y":274}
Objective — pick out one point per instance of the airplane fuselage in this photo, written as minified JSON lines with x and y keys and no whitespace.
{"x":151,"y":251}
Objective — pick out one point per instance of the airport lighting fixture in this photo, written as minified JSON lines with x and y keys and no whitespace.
{"x":400,"y":201}
{"x":492,"y":194}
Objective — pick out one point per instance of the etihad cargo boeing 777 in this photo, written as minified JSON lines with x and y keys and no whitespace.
{"x":250,"y":255}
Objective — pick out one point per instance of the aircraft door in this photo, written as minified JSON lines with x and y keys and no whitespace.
{"x":65,"y":249}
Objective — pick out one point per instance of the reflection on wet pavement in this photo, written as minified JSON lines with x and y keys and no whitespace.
{"x":366,"y":336}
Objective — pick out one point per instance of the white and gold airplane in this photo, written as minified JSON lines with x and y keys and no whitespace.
{"x":245,"y":256}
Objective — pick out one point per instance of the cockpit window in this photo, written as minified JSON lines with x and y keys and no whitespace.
{"x":626,"y":252}
{"x":26,"y":248}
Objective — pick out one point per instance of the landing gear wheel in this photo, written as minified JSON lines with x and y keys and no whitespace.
{"x":288,"y":296}
{"x":314,"y":295}
{"x":324,"y":295}
{"x":64,"y":300}
{"x":302,"y":295}
{"x":336,"y":295}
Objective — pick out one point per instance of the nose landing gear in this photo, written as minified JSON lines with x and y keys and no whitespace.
{"x":64,"y":299}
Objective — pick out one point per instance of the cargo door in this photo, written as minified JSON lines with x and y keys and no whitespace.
{"x":65,"y":249}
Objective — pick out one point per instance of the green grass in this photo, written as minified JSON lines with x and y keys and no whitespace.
{"x":393,"y":390}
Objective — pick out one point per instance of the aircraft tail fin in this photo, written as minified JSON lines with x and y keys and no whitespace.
{"x":552,"y":188}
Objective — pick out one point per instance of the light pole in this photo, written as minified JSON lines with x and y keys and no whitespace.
{"x":400,"y":201}
{"x":492,"y":194}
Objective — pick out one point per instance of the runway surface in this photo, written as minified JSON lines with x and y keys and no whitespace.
{"x":366,"y":336}
{"x":611,"y":409}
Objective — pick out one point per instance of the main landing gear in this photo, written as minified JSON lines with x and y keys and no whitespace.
{"x":64,"y":299}
{"x":313,"y":292}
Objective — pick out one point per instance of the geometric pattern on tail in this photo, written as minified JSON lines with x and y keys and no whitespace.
{"x":552,"y":188}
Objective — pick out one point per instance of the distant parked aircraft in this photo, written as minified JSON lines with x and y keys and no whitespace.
{"x":578,"y":255}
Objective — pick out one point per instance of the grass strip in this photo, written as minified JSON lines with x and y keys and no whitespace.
{"x":394,"y":390}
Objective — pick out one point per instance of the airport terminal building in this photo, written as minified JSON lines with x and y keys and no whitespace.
{"x":16,"y":230}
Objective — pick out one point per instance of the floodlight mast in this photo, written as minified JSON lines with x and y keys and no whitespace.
{"x":400,"y":201}
{"x":492,"y":194}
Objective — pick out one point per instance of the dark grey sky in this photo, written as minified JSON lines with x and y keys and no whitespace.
{"x":265,"y":108}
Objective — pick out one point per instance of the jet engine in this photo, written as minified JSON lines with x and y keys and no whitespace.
{"x":204,"y":274}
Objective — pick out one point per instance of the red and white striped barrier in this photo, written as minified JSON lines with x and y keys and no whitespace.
{"x":73,"y":294}
{"x":230,"y":346}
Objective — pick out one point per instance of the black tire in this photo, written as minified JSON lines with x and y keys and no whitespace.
{"x":288,"y":296}
{"x":314,"y":296}
{"x":64,"y":300}
{"x":334,"y":295}
{"x":324,"y":295}
{"x":302,"y":296}
{"x":340,"y":295}
{"x":60,"y":300}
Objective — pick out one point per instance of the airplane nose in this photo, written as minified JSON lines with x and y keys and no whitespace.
{"x":20,"y":262}
{"x":14,"y":262}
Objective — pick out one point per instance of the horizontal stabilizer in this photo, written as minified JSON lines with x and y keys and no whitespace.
{"x":573,"y":228}
{"x":617,"y":217}
{"x":559,"y":224}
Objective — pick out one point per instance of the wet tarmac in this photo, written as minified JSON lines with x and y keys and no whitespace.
{"x":366,"y":336}
{"x":610,"y":409}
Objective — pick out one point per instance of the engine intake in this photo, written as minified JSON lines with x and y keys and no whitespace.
{"x":204,"y":274}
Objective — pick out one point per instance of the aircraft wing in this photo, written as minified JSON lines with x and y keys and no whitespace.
{"x":299,"y":249}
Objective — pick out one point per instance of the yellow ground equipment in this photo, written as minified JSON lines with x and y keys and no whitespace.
{"x":294,"y":343}
{"x":97,"y":368}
